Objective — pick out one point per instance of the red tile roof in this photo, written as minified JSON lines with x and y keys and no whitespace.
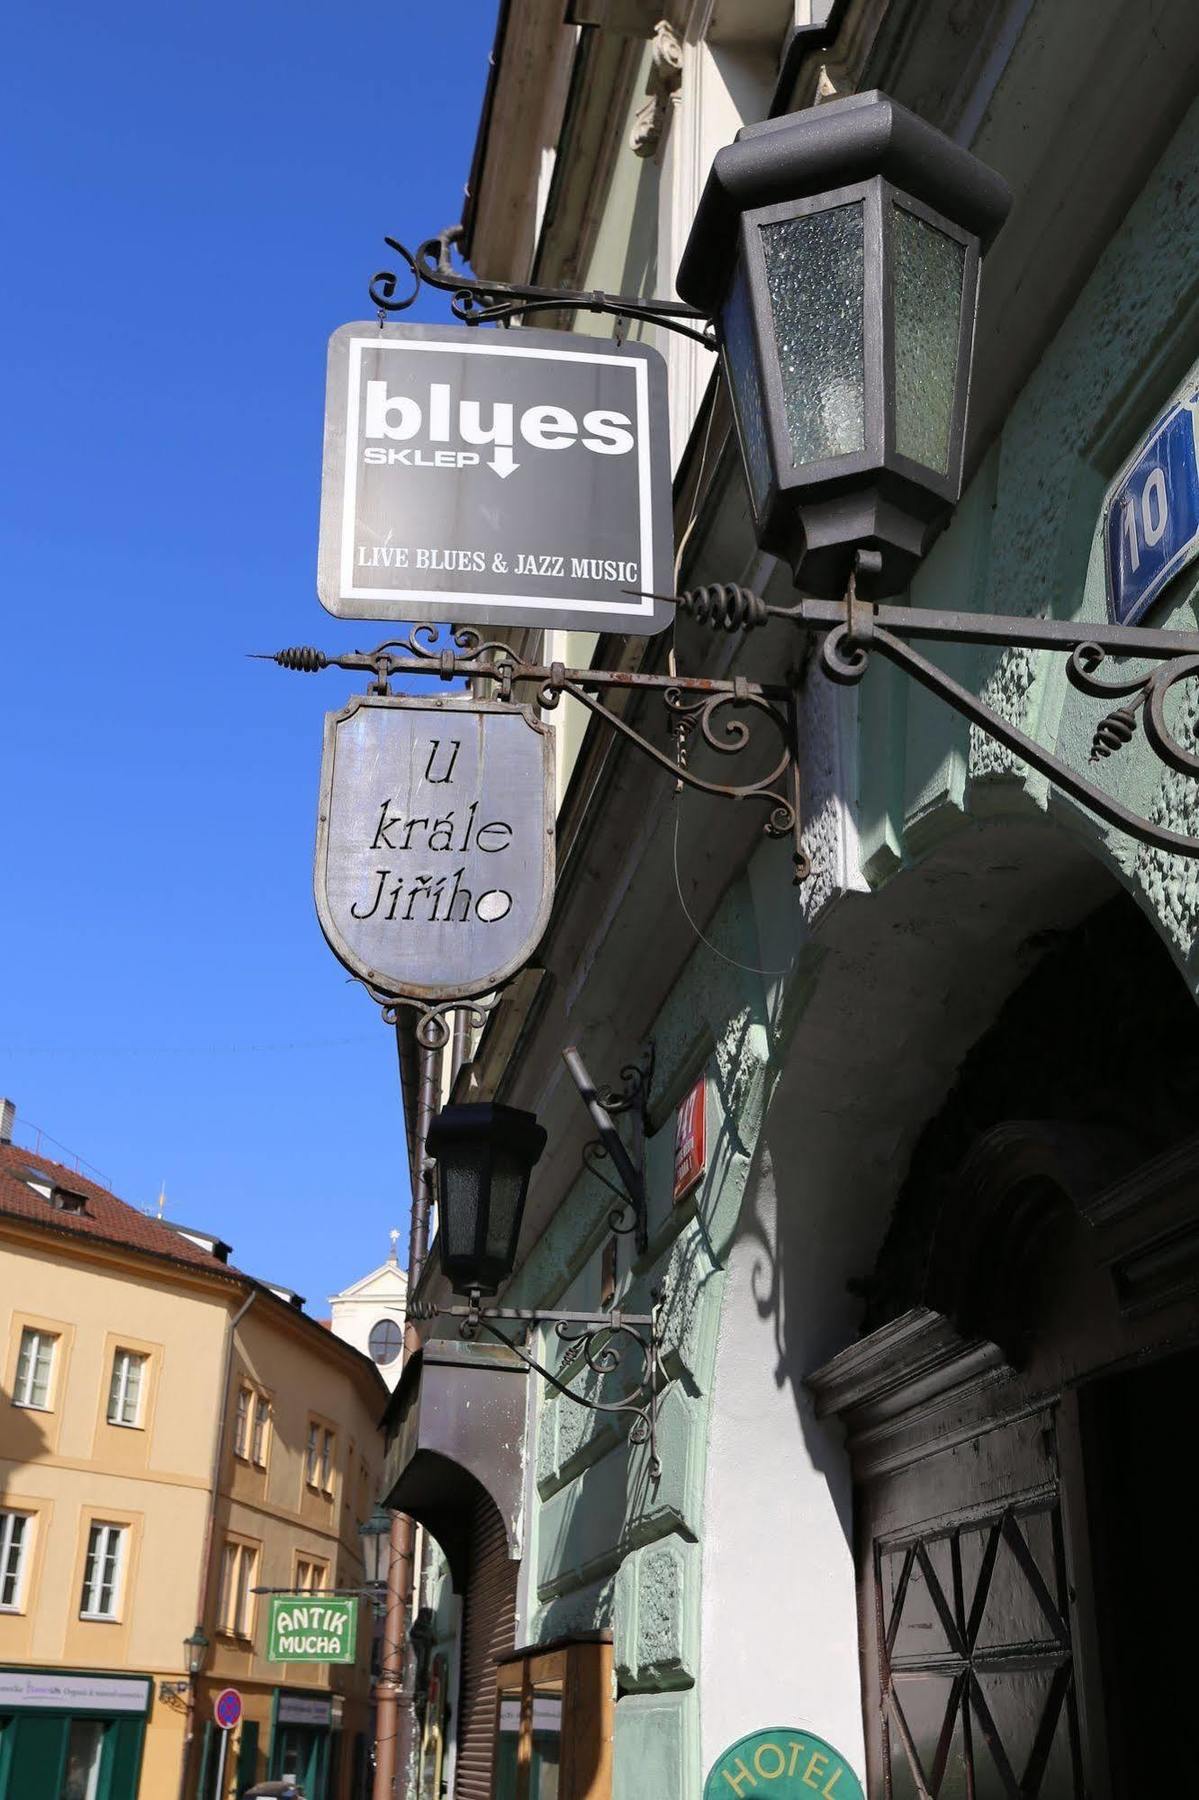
{"x":107,"y":1219}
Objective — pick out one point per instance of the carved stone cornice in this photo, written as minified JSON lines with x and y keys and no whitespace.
{"x":661,"y":85}
{"x":906,"y":1366}
{"x":1146,"y":1228}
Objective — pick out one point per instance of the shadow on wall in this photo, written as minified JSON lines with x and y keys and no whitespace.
{"x":909,"y":979}
{"x":22,"y":1442}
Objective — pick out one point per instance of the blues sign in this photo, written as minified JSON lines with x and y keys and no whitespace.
{"x":1151,"y":529}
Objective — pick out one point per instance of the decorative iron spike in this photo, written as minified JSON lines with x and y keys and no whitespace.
{"x":724,"y":606}
{"x":1112,"y":733}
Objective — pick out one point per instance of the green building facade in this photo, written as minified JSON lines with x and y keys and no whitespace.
{"x":946,"y":1222}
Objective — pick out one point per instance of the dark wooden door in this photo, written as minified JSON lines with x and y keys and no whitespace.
{"x":1027,"y":1589}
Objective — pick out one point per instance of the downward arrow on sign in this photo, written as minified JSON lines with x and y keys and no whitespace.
{"x":502,"y":463}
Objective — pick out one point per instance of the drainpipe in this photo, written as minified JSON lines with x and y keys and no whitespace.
{"x":395,"y":1714}
{"x":218,"y":1454}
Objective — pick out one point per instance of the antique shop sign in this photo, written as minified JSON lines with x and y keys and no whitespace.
{"x":312,"y":1628}
{"x":785,"y":1764}
{"x":491,"y":477}
{"x":435,"y":843}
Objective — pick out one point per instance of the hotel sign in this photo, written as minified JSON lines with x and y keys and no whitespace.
{"x":435,"y":842}
{"x":786,"y":1763}
{"x":494,"y":477}
{"x":312,"y":1628}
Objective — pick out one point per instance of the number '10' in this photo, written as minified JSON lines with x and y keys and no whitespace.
{"x":1155,"y":513}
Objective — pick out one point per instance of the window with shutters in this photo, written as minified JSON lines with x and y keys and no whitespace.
{"x":103,"y":1569}
{"x":126,"y":1388}
{"x":33,"y":1386}
{"x":16,"y":1531}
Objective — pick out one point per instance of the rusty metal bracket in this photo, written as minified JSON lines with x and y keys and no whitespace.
{"x":477,"y":302}
{"x":855,"y":630}
{"x":720,"y":713}
{"x":632,"y":1214}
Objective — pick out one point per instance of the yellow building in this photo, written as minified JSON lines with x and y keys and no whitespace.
{"x":173,"y":1435}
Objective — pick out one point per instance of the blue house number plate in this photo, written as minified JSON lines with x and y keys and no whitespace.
{"x":1152,"y":525}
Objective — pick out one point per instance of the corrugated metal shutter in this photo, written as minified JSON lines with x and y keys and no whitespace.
{"x":488,"y":1632}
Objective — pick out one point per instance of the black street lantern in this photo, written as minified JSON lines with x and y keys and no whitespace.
{"x":485,"y":1155}
{"x":195,"y":1649}
{"x":839,"y":248}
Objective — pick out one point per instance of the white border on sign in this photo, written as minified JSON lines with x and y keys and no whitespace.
{"x":636,"y":609}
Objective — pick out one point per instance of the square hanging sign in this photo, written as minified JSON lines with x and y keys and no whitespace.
{"x":312,"y":1628}
{"x":487,"y":477}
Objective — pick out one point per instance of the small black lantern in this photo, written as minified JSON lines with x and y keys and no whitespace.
{"x":375,"y":1533}
{"x":195,"y":1649}
{"x":839,"y":250}
{"x":485,"y":1155}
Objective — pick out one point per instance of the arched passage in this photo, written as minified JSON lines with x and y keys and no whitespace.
{"x":897,"y":986}
{"x":1029,"y":1353}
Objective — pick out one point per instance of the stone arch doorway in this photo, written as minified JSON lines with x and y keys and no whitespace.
{"x":1016,"y":1408}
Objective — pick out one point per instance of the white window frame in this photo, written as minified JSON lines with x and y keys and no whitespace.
{"x":312,"y":1453}
{"x":239,"y":1563}
{"x":16,"y":1533}
{"x":328,"y":1442}
{"x":387,"y":1325}
{"x":241,"y":1422}
{"x":312,"y":1577}
{"x":106,"y":1544}
{"x":260,"y":1430}
{"x":36,"y":1340}
{"x":128,"y":1370}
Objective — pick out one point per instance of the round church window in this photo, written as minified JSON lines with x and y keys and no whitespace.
{"x":386,"y":1341}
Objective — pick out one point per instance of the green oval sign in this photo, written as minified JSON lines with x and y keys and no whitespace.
{"x":784,"y":1763}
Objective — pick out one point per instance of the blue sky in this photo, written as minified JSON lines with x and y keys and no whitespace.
{"x":195,"y":196}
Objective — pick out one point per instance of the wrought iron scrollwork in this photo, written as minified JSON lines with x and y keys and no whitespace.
{"x":476,"y":302}
{"x":855,"y":631}
{"x":604,"y":1339}
{"x":692,"y":704}
{"x":607,"y":1150}
{"x":1147,"y":693}
{"x":433,"y":1029}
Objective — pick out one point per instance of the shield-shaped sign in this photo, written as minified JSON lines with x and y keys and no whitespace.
{"x":435,"y":843}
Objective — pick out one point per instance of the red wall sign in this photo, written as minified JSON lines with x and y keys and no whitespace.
{"x":691,"y":1140}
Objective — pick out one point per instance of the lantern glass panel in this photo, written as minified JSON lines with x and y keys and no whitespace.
{"x":744,"y":376}
{"x":508,"y":1179}
{"x":929,"y":267}
{"x":464,"y":1180}
{"x":815,"y":274}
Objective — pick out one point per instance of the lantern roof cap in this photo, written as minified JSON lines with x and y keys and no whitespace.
{"x":826,"y":147}
{"x":508,"y":1127}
